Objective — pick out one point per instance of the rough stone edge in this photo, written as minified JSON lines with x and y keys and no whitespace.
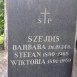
{"x":5,"y":25}
{"x":6,"y":31}
{"x":75,"y":52}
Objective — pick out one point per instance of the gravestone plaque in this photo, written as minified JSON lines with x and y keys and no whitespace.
{"x":41,"y":36}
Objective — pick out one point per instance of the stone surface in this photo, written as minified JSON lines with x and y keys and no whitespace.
{"x":75,"y":66}
{"x":75,"y":70}
{"x":3,"y":63}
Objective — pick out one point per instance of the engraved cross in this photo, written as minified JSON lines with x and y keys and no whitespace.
{"x":45,"y":15}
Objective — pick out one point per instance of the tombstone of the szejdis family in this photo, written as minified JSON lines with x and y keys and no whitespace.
{"x":41,"y":37}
